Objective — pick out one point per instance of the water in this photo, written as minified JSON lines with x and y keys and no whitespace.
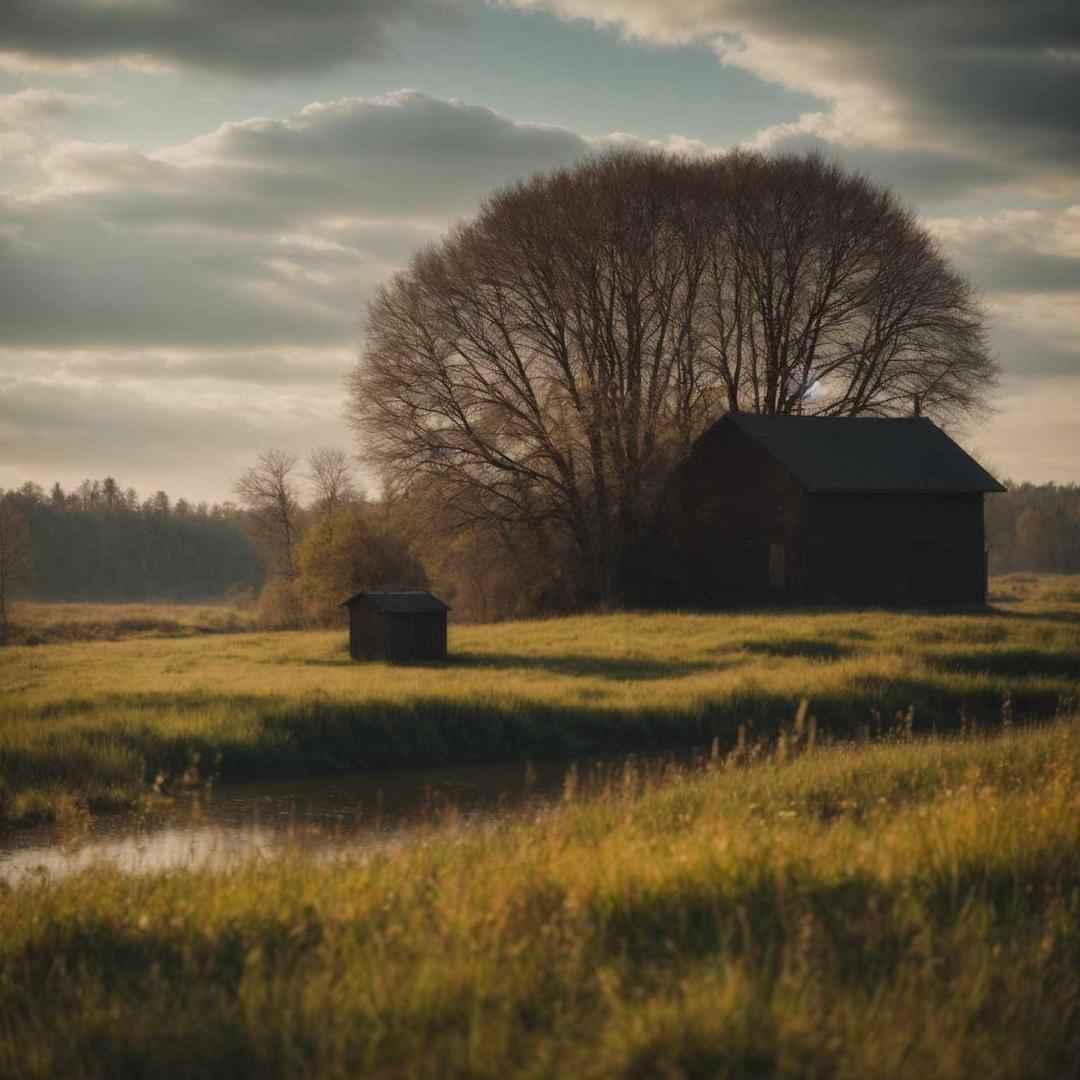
{"x":229,"y":825}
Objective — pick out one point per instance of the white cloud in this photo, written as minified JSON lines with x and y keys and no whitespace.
{"x":38,"y":105}
{"x":27,"y":115}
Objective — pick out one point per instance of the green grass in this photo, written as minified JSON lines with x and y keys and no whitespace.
{"x":908,"y":909}
{"x":91,"y":726}
{"x":49,"y":624}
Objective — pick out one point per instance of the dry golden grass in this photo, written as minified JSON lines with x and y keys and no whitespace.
{"x":90,"y":725}
{"x":35,"y":623}
{"x":899,"y":910}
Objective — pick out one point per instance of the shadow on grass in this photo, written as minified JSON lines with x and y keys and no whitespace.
{"x":619,"y":668}
{"x":808,"y":648}
{"x":1008,"y":662}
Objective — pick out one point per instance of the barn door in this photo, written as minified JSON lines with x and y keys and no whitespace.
{"x":777,"y":568}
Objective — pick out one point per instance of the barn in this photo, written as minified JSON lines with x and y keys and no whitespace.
{"x":396,"y":625}
{"x":809,"y":510}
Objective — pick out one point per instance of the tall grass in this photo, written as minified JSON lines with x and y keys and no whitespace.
{"x":92,"y":726}
{"x":909,"y":909}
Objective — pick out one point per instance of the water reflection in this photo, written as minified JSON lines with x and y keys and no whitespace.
{"x":326,"y":816}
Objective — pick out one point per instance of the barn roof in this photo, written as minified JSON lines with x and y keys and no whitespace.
{"x":866,"y":454}
{"x":404,"y":601}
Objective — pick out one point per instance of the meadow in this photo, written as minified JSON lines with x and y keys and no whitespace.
{"x":55,"y":623}
{"x":904,"y":908}
{"x":97,"y":725}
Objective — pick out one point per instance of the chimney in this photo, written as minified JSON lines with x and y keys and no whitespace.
{"x":918,"y":408}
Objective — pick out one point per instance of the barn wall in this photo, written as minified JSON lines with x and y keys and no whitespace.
{"x":896,"y":549}
{"x":730,"y":504}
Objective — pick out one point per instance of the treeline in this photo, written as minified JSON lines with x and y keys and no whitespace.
{"x":307,"y":537}
{"x":1034,"y":527}
{"x":102,"y":542}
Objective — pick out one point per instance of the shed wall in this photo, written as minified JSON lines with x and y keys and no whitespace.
{"x":379,"y":635}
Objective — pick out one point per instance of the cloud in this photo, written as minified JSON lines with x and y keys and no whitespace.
{"x":265,"y":231}
{"x":25,"y":115}
{"x":983,"y":81}
{"x":183,"y":308}
{"x":37,"y":106}
{"x":187,"y":437}
{"x":240,"y":37}
{"x":1028,"y":264}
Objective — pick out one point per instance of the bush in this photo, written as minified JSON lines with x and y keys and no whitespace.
{"x":279,"y":608}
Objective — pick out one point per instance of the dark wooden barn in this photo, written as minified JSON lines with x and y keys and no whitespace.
{"x":807,"y":510}
{"x":407,"y":625}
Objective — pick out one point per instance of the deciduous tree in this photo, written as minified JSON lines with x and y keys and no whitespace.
{"x":270,"y":493}
{"x":331,"y":477}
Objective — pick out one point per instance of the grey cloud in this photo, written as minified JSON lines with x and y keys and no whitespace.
{"x":70,"y":278}
{"x":923,"y":177}
{"x":405,"y":155}
{"x":1009,"y":268}
{"x":243,"y":37}
{"x":989,"y":79}
{"x":1025,"y":354}
{"x":35,"y":105}
{"x":269,"y":231}
{"x":1018,"y":251}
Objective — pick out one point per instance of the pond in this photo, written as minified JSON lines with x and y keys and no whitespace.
{"x":228,"y":824}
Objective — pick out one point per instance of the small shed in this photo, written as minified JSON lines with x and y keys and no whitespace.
{"x":396,"y":625}
{"x":809,"y":510}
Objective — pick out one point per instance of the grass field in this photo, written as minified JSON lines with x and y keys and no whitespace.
{"x":50,"y":624}
{"x":900,"y":909}
{"x":92,"y":726}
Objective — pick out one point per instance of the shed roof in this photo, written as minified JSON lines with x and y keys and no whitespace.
{"x":404,"y":601}
{"x":866,"y":454}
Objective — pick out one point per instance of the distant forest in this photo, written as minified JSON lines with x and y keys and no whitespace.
{"x":1034,"y":527}
{"x":102,"y":542}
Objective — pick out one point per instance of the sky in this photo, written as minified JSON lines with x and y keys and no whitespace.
{"x":198,"y":197}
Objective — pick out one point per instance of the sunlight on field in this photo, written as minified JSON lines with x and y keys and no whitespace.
{"x":907,"y":909}
{"x":45,"y":624}
{"x":90,"y":725}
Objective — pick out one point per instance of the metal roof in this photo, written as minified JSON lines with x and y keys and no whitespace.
{"x":405,"y":601}
{"x":866,"y":454}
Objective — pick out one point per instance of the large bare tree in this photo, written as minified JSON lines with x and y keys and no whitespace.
{"x":541,"y":369}
{"x":269,"y":492}
{"x":14,"y":557}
